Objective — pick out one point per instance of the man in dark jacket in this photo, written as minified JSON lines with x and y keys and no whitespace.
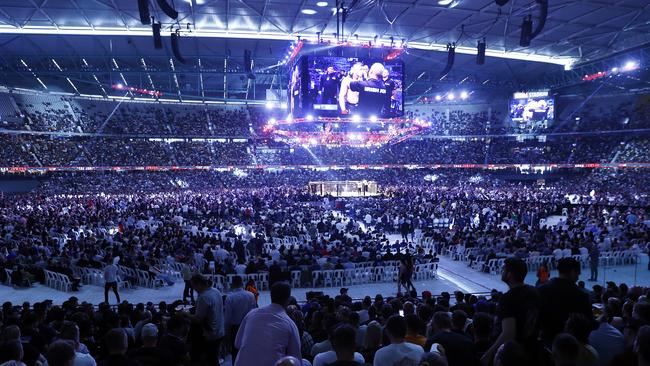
{"x":372,"y":92}
{"x":560,"y":298}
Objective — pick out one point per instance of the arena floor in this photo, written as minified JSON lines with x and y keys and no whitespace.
{"x":452,"y":276}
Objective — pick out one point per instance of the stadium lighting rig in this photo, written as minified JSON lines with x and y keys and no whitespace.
{"x":356,"y":131}
{"x":153,"y":93}
{"x":629,"y":66}
{"x":567,"y":62}
{"x":450,"y":96}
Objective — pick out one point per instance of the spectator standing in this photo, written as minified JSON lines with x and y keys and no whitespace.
{"x":110,"y":281}
{"x":517,"y":311}
{"x":594,"y":260}
{"x":398,"y":351}
{"x":250,"y":287}
{"x":187,"y":276}
{"x":561,"y":297}
{"x":267,"y":334}
{"x":238,"y":304}
{"x":209,"y":314}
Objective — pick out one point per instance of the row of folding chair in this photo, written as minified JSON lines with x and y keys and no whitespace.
{"x":224,"y":283}
{"x":618,"y":257}
{"x":535,"y":262}
{"x":145,"y":279}
{"x":92,"y":276}
{"x":495,"y":265}
{"x":426,"y":271}
{"x":356,"y":276}
{"x":444,"y":222}
{"x":57,"y":281}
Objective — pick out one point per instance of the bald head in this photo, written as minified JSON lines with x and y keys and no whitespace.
{"x":376,"y":71}
{"x":288,"y":361}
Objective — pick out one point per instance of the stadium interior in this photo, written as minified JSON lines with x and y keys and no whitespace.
{"x":335,"y":182}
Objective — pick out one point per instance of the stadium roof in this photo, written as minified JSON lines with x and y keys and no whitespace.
{"x":84,"y":37}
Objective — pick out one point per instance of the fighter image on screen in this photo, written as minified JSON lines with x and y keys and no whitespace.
{"x":294,"y":89}
{"x":390,"y":88}
{"x":372,"y":92}
{"x":329,"y":85}
{"x":348,"y":99}
{"x":532,"y":110}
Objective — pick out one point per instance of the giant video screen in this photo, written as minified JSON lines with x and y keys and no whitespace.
{"x":343,"y":86}
{"x":532,"y":107}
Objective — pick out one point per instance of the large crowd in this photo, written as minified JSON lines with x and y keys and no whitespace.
{"x":29,"y":150}
{"x":148,"y":134}
{"x":226,"y":218}
{"x":220,"y":223}
{"x":560,"y":322}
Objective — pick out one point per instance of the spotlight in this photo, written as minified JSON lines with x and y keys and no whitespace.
{"x":283,"y":105}
{"x":272,"y":121}
{"x":615,"y":69}
{"x":630,"y":65}
{"x":309,"y":118}
{"x":445,"y":2}
{"x":356,"y":118}
{"x":120,"y":86}
{"x":269,"y":105}
{"x":438,"y":98}
{"x":373,"y":118}
{"x":313,"y":141}
{"x":464,"y":95}
{"x":451,"y":96}
{"x":289,"y":119}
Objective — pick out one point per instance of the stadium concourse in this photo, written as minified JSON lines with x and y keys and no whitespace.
{"x":324,"y":183}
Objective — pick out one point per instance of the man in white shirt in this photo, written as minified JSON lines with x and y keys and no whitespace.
{"x":267,"y":334}
{"x":110,"y":281}
{"x":398,"y":352}
{"x":238,"y":304}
